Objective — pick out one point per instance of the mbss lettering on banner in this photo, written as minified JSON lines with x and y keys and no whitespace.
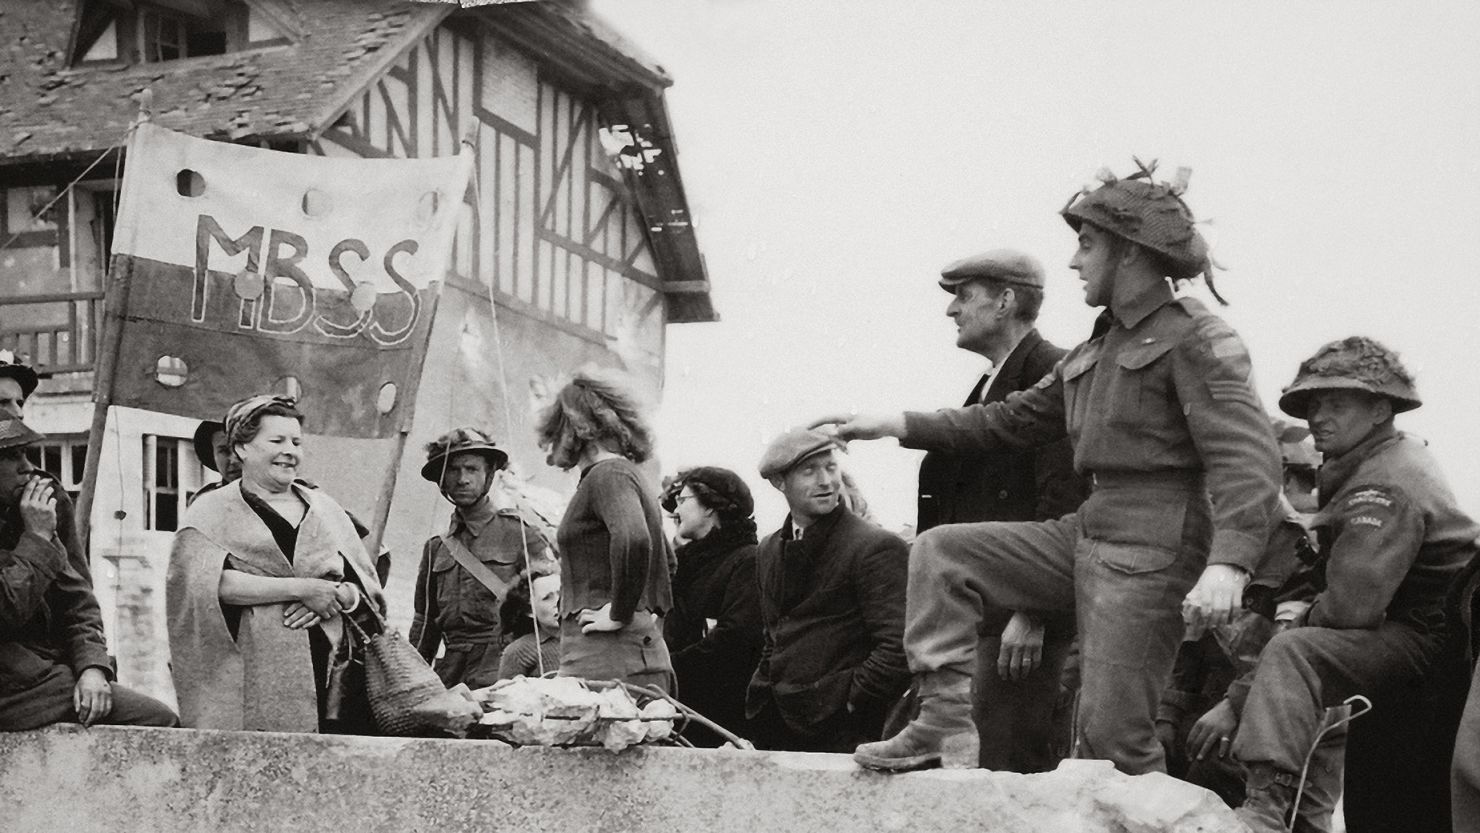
{"x":250,"y":270}
{"x":238,"y":270}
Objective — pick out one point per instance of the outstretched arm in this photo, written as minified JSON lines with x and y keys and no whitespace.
{"x":1025,"y":419}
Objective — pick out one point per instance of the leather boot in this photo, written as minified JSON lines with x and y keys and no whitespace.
{"x":942,"y":735}
{"x":1266,"y":809}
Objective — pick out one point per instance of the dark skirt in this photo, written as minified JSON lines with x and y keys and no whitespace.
{"x":635,"y":654}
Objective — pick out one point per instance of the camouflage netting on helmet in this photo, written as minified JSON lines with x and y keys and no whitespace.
{"x":458,"y":441}
{"x":1354,"y":363}
{"x":1148,"y":213}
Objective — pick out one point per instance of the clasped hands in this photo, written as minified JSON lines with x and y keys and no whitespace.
{"x":320,"y":600}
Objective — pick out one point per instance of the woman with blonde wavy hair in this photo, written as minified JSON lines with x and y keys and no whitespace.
{"x":614,"y":557}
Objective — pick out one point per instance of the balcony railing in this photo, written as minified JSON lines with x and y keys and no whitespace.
{"x":53,"y":333}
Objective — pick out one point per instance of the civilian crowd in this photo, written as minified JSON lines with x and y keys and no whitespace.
{"x":1120,"y":555}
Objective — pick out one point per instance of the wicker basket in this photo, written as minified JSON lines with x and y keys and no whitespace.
{"x":397,"y":679}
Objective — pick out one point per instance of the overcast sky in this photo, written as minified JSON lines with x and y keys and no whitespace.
{"x":837,"y":154}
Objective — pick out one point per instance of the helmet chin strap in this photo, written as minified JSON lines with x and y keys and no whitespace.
{"x":1207,"y":276}
{"x":487,"y":487}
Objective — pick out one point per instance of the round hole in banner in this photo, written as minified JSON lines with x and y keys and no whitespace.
{"x":387,"y":398}
{"x":248,"y":285}
{"x":289,"y":386}
{"x":189,"y":183}
{"x":426,"y":209}
{"x":363,"y":296}
{"x":316,"y":203}
{"x":171,"y":371}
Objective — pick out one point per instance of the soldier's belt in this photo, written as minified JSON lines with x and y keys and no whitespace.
{"x":1179,"y":479}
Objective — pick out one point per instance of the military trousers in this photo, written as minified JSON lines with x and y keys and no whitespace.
{"x":1303,"y":671}
{"x":50,"y":701}
{"x":1225,"y":775}
{"x":1123,"y":564}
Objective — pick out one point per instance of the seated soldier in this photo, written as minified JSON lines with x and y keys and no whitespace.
{"x":54,"y":665}
{"x":1391,"y":540}
{"x":1200,"y":710}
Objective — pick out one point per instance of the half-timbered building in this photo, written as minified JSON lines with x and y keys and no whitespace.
{"x":575,"y":244}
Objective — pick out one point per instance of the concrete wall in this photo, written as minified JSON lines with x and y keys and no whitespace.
{"x":106,"y":779}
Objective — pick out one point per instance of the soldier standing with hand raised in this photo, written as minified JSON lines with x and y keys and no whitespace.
{"x":1163,"y":417}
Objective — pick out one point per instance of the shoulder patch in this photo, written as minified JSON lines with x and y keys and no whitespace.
{"x":1369,"y":505}
{"x":1370,"y":496}
{"x":1225,"y":346}
{"x":1219,"y":351}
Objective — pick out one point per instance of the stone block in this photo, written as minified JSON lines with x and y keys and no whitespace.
{"x":163,"y":780}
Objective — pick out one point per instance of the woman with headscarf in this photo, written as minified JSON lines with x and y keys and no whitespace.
{"x":614,"y":585}
{"x":261,"y":573}
{"x":714,"y":629}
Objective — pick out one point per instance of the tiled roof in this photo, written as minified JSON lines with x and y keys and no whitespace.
{"x":48,"y":110}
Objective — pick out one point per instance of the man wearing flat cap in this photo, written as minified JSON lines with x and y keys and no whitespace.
{"x":1162,"y":413}
{"x":995,"y":301}
{"x":832,"y":608}
{"x":53,"y":659}
{"x":466,"y":573}
{"x":1391,"y":541}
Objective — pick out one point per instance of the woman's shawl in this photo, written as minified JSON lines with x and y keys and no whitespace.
{"x":263,"y":679}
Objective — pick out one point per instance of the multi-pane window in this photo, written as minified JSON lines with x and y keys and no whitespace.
{"x":64,"y":457}
{"x":171,"y":475}
{"x":166,"y":37}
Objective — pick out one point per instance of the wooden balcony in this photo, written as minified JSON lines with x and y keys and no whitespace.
{"x":53,"y":333}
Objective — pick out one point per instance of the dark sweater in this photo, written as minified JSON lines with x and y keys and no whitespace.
{"x":612,"y":547}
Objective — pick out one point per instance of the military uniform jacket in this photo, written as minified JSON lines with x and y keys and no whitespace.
{"x":51,"y":629}
{"x":1161,"y":389}
{"x":452,"y":605}
{"x":1392,"y":538}
{"x":1005,"y":485}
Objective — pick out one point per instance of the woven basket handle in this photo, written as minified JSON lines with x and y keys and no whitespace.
{"x":374,"y":612}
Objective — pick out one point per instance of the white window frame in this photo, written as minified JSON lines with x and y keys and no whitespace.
{"x":71,"y":451}
{"x":188,"y":476}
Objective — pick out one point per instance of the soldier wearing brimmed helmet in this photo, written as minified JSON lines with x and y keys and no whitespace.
{"x":1163,"y":417}
{"x":53,"y":657}
{"x":466,"y":572}
{"x":1151,"y":215}
{"x":1392,"y":539}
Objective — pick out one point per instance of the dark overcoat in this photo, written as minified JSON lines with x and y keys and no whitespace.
{"x":1006,"y":485}
{"x":714,"y":629}
{"x":832,"y":609}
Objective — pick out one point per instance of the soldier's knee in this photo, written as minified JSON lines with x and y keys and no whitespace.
{"x":927,"y":546}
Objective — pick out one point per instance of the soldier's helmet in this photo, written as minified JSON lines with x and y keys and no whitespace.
{"x":1148,"y":213}
{"x":1355,"y":363}
{"x":17,"y":434}
{"x":460,"y":441}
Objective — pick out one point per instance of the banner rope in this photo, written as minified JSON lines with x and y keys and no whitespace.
{"x":520,"y":504}
{"x":37,"y":214}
